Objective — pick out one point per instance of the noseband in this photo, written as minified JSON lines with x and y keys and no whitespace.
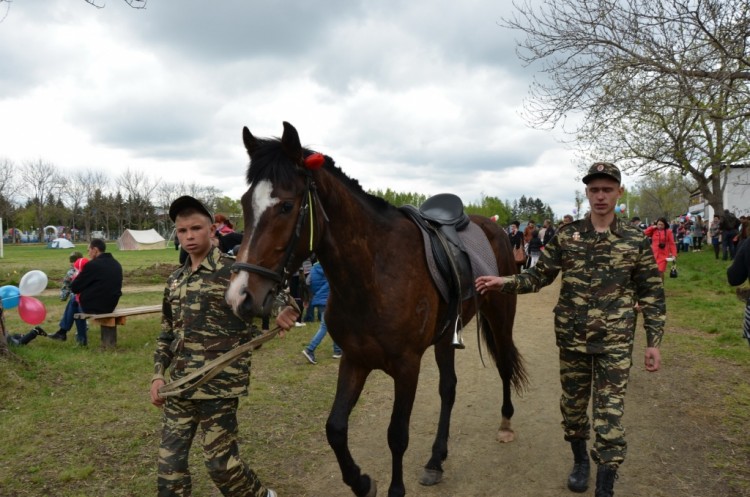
{"x":281,"y":276}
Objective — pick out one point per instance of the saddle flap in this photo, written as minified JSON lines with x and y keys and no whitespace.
{"x":445,"y":209}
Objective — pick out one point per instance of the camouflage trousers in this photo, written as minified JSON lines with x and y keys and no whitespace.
{"x":605,"y":378}
{"x":217,"y":419}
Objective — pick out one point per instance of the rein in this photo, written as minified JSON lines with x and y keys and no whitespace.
{"x":216,"y":366}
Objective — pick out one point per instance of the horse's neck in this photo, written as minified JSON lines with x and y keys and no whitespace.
{"x":356,"y":230}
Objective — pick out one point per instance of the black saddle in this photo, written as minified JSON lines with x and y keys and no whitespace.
{"x":445,"y":209}
{"x":441,"y":218}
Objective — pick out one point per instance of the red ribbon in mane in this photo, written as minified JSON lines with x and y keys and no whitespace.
{"x":314,"y":161}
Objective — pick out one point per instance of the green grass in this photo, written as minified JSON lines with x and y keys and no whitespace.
{"x":705,"y":317}
{"x":138,"y":266}
{"x":77,"y":422}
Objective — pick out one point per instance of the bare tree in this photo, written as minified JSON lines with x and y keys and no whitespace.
{"x":589,"y":46}
{"x":697,"y":134}
{"x":136,"y":189}
{"x":136,"y":4}
{"x":41,"y":180}
{"x":8,"y":188}
{"x":662,"y":86}
{"x":88,"y":183}
{"x":8,"y":182}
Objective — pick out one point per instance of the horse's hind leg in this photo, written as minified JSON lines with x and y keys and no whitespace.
{"x":349,"y":387}
{"x":498,"y":332}
{"x":445,"y":358}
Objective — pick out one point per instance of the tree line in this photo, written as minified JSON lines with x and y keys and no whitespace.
{"x":38,"y":194}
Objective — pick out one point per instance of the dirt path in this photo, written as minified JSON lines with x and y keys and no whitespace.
{"x":668,"y":431}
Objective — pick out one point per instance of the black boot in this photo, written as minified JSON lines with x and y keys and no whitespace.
{"x":39,"y":331}
{"x":578,"y":481}
{"x":605,"y":481}
{"x":59,"y":335}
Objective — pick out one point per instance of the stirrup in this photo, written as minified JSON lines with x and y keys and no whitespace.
{"x":458,"y":341}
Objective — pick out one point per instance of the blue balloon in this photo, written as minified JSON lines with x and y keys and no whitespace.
{"x":10,"y":296}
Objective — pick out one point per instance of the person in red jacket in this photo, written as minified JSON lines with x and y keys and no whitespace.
{"x":662,"y":243}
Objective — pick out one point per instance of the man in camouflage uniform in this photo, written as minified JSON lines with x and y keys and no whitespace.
{"x":608,"y":270}
{"x":198,"y":326}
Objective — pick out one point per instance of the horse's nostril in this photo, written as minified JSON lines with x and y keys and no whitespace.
{"x":247,"y":302}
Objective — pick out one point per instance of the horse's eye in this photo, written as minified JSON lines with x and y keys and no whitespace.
{"x":286,"y":207}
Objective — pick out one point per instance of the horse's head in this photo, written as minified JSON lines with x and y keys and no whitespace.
{"x":282,"y":220}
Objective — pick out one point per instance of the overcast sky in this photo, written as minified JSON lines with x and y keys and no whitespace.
{"x":421,"y":96}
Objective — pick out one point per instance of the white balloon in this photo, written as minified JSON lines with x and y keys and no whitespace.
{"x":33,"y":283}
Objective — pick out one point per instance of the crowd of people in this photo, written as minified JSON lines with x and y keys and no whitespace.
{"x":685,"y":234}
{"x":724,"y":232}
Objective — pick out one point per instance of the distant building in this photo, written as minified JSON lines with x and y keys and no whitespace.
{"x":736,"y":194}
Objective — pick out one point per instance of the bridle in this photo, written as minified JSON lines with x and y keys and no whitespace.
{"x":281,"y":276}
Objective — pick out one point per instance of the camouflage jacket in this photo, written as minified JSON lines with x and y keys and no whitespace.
{"x":603,"y":276}
{"x":198,"y":325}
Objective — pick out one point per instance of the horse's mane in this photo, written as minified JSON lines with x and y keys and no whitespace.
{"x":269,"y":162}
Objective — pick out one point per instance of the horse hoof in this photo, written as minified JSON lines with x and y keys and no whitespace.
{"x":431,"y":477}
{"x":505,"y":436}
{"x":373,"y":489}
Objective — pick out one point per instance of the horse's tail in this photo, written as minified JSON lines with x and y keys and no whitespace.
{"x":508,"y":359}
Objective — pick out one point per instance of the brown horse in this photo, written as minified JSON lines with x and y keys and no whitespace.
{"x":384,"y":309}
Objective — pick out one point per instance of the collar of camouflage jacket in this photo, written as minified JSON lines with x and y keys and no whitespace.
{"x":616,"y":227}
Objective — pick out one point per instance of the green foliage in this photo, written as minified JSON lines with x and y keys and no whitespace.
{"x":662,"y":194}
{"x":491,"y":206}
{"x":525,"y":209}
{"x":232,"y":209}
{"x":400,"y":199}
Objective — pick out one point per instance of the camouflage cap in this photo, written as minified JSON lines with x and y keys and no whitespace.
{"x":603,"y":170}
{"x":186,"y":202}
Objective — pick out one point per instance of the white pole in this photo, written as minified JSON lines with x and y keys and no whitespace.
{"x":2,"y":255}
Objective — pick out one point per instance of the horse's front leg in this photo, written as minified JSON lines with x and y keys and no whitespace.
{"x":445,"y":358}
{"x":405,"y":385}
{"x":351,"y":380}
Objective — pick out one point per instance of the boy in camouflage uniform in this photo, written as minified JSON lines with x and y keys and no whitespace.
{"x":198,"y":326}
{"x":608,"y":270}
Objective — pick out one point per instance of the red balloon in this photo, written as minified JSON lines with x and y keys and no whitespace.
{"x":31,"y":310}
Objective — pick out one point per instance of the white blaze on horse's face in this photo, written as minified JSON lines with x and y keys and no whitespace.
{"x":262,"y":200}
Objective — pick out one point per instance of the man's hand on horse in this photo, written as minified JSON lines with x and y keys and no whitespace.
{"x":488,"y":283}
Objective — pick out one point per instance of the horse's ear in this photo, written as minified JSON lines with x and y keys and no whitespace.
{"x":290,"y":143}
{"x":251,"y":143}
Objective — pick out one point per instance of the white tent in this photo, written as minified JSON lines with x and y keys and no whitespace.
{"x":60,"y":243}
{"x":141,"y":240}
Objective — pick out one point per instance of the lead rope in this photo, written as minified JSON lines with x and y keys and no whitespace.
{"x":216,"y":366}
